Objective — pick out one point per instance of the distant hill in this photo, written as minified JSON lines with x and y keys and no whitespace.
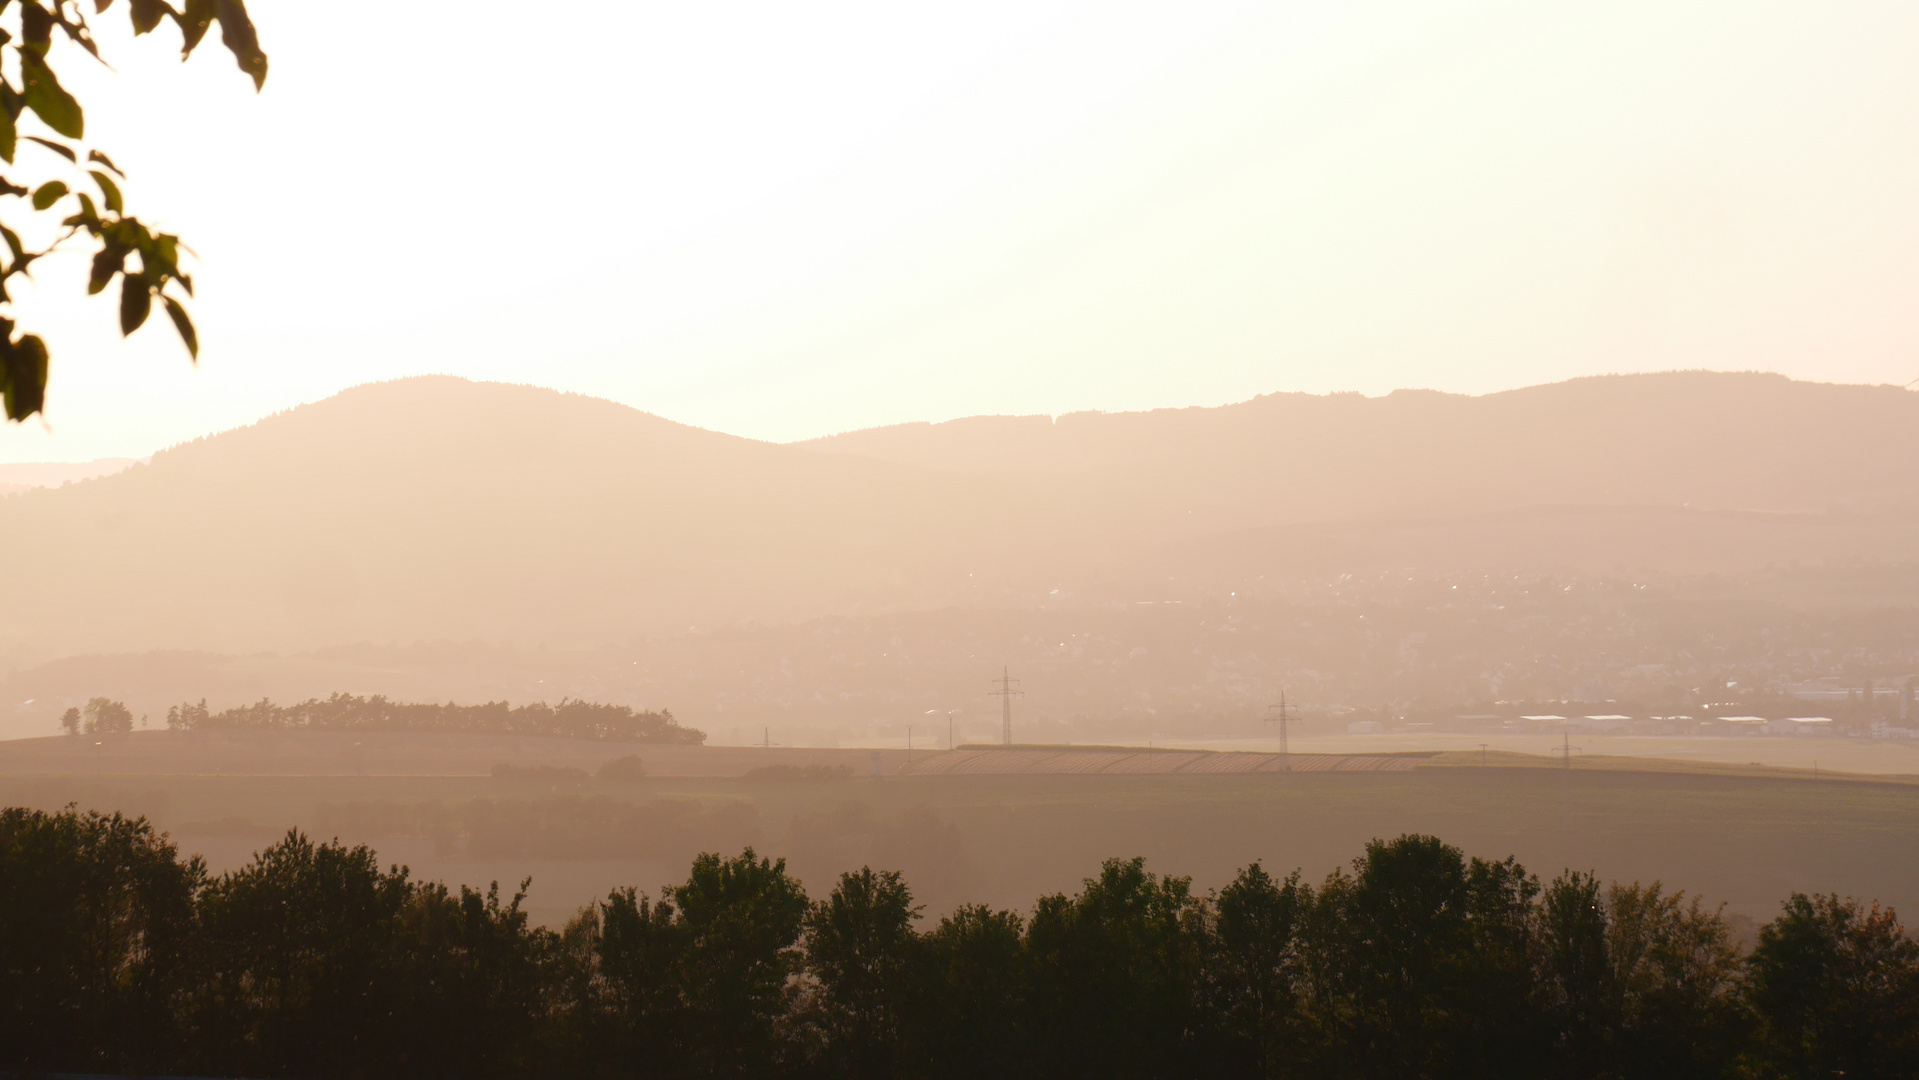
{"x":25,"y":476}
{"x":1698,"y":439}
{"x":436,"y":509}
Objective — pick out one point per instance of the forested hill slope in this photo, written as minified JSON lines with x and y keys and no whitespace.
{"x":1699,"y":439}
{"x":436,"y":509}
{"x":440,"y":509}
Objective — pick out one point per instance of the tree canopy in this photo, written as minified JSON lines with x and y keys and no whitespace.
{"x":85,"y":198}
{"x":571,"y":718}
{"x":1418,"y":962}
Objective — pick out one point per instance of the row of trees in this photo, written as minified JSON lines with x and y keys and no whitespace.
{"x":571,"y":719}
{"x":115,"y":954}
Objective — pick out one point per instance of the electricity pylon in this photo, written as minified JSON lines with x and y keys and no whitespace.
{"x":1282,"y":715}
{"x":1005,"y":693}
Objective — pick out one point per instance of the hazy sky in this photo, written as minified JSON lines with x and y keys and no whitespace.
{"x":782,"y":220}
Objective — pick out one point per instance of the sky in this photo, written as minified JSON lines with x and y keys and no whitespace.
{"x":784,"y":220}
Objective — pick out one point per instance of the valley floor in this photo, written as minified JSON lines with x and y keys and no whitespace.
{"x":1745,"y":837}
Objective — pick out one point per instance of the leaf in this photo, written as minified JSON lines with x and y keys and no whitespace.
{"x":183,"y":324}
{"x":166,"y":254}
{"x":136,"y":300}
{"x":9,"y":135}
{"x":109,"y":191}
{"x":47,"y":98}
{"x":97,"y":156}
{"x":49,"y":193}
{"x":147,"y":14}
{"x":23,"y":364}
{"x":108,"y":261}
{"x":13,"y":241}
{"x":63,"y":151}
{"x":10,"y":188}
{"x":194,"y":22}
{"x":36,"y":27}
{"x":237,"y":34}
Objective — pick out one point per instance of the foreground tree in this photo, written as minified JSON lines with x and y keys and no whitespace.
{"x":146,"y":262}
{"x":742,"y":919}
{"x":859,"y":943}
{"x":311,"y":961}
{"x":1836,"y":988}
{"x":965,"y":1010}
{"x":1420,"y":965}
{"x":1115,"y":975}
{"x":303,"y":957}
{"x":96,"y":919}
{"x":1255,"y":974}
{"x":1636,"y":981}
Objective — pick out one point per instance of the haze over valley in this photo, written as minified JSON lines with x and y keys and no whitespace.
{"x":1656,"y":539}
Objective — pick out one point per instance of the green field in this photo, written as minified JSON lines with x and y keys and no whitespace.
{"x":1746,"y":840}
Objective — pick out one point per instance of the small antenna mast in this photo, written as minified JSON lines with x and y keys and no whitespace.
{"x":1282,"y":714}
{"x":1005,"y":693}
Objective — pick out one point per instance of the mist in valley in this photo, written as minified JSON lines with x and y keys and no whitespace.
{"x":1052,"y":541}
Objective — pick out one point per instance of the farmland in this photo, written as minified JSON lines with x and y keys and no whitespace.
{"x":1743,"y":836}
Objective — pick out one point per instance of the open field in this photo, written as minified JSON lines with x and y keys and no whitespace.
{"x":1899,"y":757}
{"x":347,"y":753}
{"x":1745,"y":837}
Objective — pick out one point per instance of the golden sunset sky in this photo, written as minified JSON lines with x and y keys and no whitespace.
{"x":783,"y":220}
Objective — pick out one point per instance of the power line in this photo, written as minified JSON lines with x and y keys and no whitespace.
{"x":1005,"y":693}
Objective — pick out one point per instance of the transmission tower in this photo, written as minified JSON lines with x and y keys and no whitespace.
{"x":1566,"y":749}
{"x":1281,"y":714}
{"x":1005,"y":693}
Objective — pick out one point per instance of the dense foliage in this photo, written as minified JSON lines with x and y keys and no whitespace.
{"x":116,"y":955}
{"x":344,"y":712}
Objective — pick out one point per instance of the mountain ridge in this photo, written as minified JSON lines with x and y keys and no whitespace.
{"x":435,"y":508}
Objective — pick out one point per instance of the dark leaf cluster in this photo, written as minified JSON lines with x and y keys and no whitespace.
{"x":311,"y":961}
{"x":89,"y":204}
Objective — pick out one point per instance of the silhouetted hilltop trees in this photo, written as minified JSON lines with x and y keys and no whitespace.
{"x":571,"y":718}
{"x":1418,"y":962}
{"x":102,"y":716}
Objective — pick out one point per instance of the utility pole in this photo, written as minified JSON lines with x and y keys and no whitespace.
{"x":1005,"y":693}
{"x":1566,"y":748}
{"x":1482,"y":755}
{"x":1282,"y":713}
{"x":950,"y":713}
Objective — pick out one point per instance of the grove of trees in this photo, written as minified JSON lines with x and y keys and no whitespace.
{"x":102,"y":716}
{"x":571,"y":718}
{"x":312,"y":961}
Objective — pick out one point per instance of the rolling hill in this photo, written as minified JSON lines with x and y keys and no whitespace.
{"x":436,"y":509}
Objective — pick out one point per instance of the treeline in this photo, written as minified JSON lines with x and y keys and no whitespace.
{"x":571,"y":719}
{"x":312,"y":961}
